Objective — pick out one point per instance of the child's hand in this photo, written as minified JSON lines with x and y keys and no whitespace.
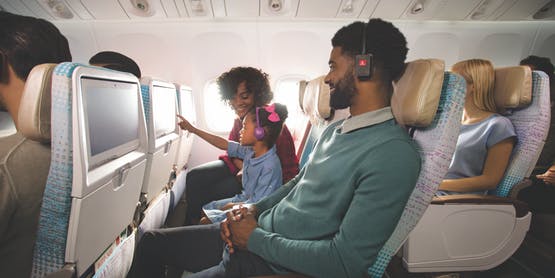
{"x":227,"y":206}
{"x":186,"y":125}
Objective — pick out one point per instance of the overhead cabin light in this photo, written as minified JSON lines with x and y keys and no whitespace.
{"x":546,"y":11}
{"x":58,"y":8}
{"x":275,"y":5}
{"x":417,"y":8}
{"x":142,"y":8}
{"x":197,"y":7}
{"x":348,"y":7}
{"x":486,"y":9}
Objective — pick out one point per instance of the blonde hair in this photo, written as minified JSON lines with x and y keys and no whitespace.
{"x":481,"y":75}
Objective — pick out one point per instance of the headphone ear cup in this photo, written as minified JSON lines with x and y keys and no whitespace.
{"x":259,"y":133}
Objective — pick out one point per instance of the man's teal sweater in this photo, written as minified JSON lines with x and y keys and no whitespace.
{"x":337,"y":213}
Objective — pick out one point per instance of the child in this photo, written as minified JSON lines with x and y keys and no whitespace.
{"x":261,"y":165}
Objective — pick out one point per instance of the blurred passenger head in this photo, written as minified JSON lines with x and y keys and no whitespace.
{"x":384,"y":41}
{"x":244,"y":88}
{"x":543,"y":64}
{"x":24,"y":43}
{"x":116,"y":61}
{"x":480,"y":79}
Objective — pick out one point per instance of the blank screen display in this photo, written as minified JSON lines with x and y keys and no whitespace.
{"x":187,"y":107}
{"x":112,"y":113}
{"x":163,"y":103}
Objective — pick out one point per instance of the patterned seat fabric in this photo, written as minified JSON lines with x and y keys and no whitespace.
{"x":51,"y":241}
{"x":436,"y":146}
{"x":531,"y":125}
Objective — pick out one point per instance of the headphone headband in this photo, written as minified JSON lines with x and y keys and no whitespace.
{"x":363,"y":61}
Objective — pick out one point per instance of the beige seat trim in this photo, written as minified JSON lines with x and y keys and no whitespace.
{"x":34,"y":109}
{"x":416,"y":94}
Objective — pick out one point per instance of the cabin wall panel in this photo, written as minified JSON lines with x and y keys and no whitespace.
{"x":545,"y":42}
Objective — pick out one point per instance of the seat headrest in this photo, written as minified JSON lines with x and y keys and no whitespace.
{"x":34,"y":109}
{"x":416,"y":94}
{"x":316,"y":100}
{"x":513,"y":87}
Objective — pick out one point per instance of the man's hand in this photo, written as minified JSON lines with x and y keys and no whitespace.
{"x":549,"y":176}
{"x":235,"y":215}
{"x":242,"y":228}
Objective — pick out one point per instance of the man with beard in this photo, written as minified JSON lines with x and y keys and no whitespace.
{"x":24,"y":43}
{"x":332,"y":219}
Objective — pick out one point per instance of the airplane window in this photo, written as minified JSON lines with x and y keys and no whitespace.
{"x":287,"y":92}
{"x":218,"y":115}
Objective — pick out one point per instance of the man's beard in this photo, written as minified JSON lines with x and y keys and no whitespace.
{"x":343,"y":92}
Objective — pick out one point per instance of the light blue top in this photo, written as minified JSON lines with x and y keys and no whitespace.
{"x":261,"y":176}
{"x":472,"y":148}
{"x":332,"y":219}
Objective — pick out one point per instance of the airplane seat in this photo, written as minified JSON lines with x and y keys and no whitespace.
{"x":536,"y":251}
{"x":429,"y":103}
{"x":24,"y":164}
{"x":315,"y":104}
{"x":98,"y":159}
{"x":473,"y":233}
{"x":160,"y":106}
{"x":299,"y":130}
{"x":178,"y":206}
{"x":186,"y":108}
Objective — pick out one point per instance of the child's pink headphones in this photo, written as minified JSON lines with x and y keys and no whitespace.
{"x":259,"y":131}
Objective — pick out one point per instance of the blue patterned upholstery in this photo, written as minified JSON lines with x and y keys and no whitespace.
{"x":436,"y":146}
{"x":531,"y":125}
{"x":146,"y":100}
{"x":55,"y":238}
{"x":50,"y":246}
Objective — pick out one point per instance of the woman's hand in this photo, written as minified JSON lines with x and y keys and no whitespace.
{"x":186,"y":125}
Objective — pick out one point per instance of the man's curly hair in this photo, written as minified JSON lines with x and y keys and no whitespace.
{"x":256,"y":83}
{"x":386,"y":43}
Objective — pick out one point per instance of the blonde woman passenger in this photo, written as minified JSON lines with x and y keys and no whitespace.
{"x":486,"y":138}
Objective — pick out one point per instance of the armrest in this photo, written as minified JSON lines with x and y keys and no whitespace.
{"x":518,"y":187}
{"x":521,"y":208}
{"x":68,"y":271}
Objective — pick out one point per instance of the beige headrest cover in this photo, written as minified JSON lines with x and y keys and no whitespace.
{"x":513,"y":87}
{"x":416,"y":95}
{"x":34,"y":108}
{"x":316,"y":100}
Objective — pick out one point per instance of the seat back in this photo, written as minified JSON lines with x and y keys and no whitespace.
{"x":524,"y":95}
{"x":429,"y":102}
{"x":98,"y":162}
{"x":186,"y":108}
{"x":315,"y":104}
{"x":24,"y":165}
{"x":160,"y":104}
{"x":300,"y":127}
